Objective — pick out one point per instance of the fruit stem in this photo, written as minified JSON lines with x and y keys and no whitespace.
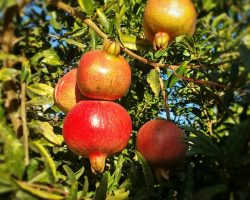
{"x":97,"y":162}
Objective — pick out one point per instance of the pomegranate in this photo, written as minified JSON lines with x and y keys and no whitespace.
{"x":161,"y":143}
{"x":173,"y":17}
{"x":104,"y":74}
{"x":66,"y":92}
{"x":97,"y":129}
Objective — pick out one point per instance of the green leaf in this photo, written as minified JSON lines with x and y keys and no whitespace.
{"x":49,"y":163}
{"x":146,"y":170}
{"x":103,"y":19}
{"x":73,"y":191}
{"x":133,"y":42}
{"x":70,"y":174}
{"x":54,"y":22}
{"x":73,"y":42}
{"x":6,"y":3}
{"x":8,"y":56}
{"x":94,"y":39}
{"x":48,"y":56}
{"x":7,"y":74}
{"x":209,"y":5}
{"x":41,"y":89}
{"x":101,"y":191}
{"x":209,"y":192}
{"x":37,"y":192}
{"x":46,"y":130}
{"x":117,"y":174}
{"x":245,"y":52}
{"x":237,"y":140}
{"x":153,"y":80}
{"x":172,"y":80}
{"x":87,"y":6}
{"x":203,"y":144}
{"x":85,"y":187}
{"x":13,"y":152}
{"x":40,"y":101}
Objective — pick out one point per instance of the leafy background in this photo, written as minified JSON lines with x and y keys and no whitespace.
{"x":40,"y":42}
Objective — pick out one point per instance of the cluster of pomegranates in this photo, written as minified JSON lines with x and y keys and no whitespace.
{"x":95,"y":126}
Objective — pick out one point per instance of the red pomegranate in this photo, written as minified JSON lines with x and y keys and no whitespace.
{"x":161,"y":143}
{"x":66,"y":92}
{"x":97,"y":129}
{"x":104,"y":74}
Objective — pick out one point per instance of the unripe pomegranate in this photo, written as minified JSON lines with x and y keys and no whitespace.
{"x":173,"y":17}
{"x":66,"y":91}
{"x":97,"y":129}
{"x":161,"y":143}
{"x":104,"y":74}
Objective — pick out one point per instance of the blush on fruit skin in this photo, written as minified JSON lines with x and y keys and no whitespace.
{"x":97,"y":129}
{"x":103,"y":76}
{"x":161,"y":143}
{"x":174,"y":17}
{"x":66,"y":92}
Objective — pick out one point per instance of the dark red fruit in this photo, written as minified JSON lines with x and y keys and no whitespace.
{"x":161,"y":143}
{"x":97,"y":129}
{"x":66,"y":91}
{"x":102,"y":75}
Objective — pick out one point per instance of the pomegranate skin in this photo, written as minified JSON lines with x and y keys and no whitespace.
{"x":103,"y":76}
{"x":97,"y":129}
{"x":161,"y":143}
{"x":174,"y":17}
{"x":66,"y":92}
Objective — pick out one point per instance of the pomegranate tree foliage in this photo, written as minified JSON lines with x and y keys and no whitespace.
{"x":40,"y":42}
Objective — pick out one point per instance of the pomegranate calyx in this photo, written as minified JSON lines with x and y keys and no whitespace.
{"x":97,"y":162}
{"x":112,"y":47}
{"x":161,"y":40}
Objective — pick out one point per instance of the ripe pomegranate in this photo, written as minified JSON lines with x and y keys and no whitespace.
{"x":173,"y":17}
{"x":161,"y":143}
{"x":104,"y":74}
{"x":97,"y":129}
{"x":66,"y":92}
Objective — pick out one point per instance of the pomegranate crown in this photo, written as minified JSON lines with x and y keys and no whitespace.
{"x":111,"y":47}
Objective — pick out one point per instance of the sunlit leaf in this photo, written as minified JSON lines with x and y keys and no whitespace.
{"x":13,"y":148}
{"x":7,"y":74}
{"x":38,"y":192}
{"x":46,"y":130}
{"x":87,"y":6}
{"x":49,"y":163}
{"x":153,"y":80}
{"x":41,"y":89}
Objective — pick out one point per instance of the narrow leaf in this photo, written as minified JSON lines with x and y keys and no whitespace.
{"x":101,"y":191}
{"x":70,"y":173}
{"x":146,"y":170}
{"x":207,"y":193}
{"x":103,"y":19}
{"x":37,"y":192}
{"x":49,"y":163}
{"x":172,"y":80}
{"x":40,"y":101}
{"x":73,"y":191}
{"x":85,"y":188}
{"x":133,"y":42}
{"x":153,"y":80}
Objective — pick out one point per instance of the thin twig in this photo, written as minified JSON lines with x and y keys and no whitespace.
{"x":196,"y":81}
{"x":24,"y":123}
{"x":164,"y":94}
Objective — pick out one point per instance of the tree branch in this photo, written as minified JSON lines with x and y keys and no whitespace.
{"x":196,"y":81}
{"x":24,"y":123}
